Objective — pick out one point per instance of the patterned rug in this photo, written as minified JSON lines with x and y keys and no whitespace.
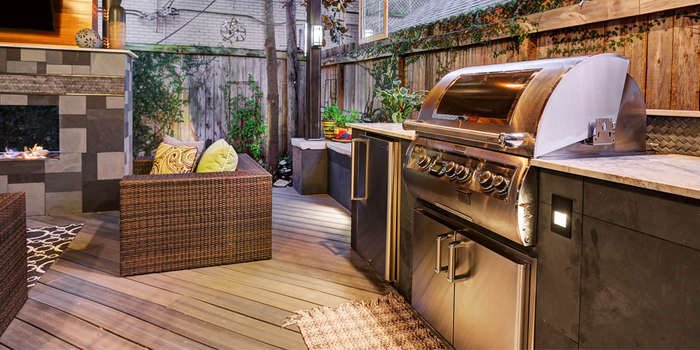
{"x":44,"y":246}
{"x":383,"y":323}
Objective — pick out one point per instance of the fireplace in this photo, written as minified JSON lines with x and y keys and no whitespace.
{"x":82,"y":101}
{"x":29,"y":132}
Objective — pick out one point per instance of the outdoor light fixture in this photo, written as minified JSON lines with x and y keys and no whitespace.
{"x":316,"y":35}
{"x":561,"y":215}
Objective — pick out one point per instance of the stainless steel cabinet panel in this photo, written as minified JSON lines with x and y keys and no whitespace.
{"x":490,"y":300}
{"x":433,"y":295}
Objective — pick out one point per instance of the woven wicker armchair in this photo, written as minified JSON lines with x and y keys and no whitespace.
{"x":13,"y":256}
{"x":185,"y":221}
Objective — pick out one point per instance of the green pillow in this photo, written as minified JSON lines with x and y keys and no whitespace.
{"x":220,"y":156}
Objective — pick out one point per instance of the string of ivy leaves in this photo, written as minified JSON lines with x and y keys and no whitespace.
{"x":477,"y":27}
{"x":159,"y":79}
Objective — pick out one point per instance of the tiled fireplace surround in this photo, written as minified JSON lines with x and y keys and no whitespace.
{"x":92,"y":89}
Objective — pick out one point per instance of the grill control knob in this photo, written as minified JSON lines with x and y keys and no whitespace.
{"x":463,"y":173}
{"x":424,"y":161}
{"x":486,"y":181}
{"x":451,"y":170}
{"x":500,"y":183}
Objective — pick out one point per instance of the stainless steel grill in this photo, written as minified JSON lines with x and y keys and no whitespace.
{"x":476,"y":193}
{"x":480,"y":126}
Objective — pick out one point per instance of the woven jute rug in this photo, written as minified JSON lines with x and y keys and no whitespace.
{"x":384,"y":323}
{"x":44,"y":246}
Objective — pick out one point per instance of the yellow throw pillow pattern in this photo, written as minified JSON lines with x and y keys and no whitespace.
{"x":174,"y":159}
{"x":220,"y":156}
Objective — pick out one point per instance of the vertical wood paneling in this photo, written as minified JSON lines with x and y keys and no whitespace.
{"x":637,"y":52}
{"x":659,"y":61}
{"x":684,"y":72}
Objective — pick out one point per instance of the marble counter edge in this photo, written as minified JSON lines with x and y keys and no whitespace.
{"x":388,"y":129}
{"x":640,"y":182}
{"x":339,"y":147}
{"x":67,"y":48}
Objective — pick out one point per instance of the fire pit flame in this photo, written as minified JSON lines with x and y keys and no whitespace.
{"x":36,"y":152}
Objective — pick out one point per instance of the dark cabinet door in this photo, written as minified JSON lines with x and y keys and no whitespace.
{"x":433,"y":295}
{"x":373,"y":210}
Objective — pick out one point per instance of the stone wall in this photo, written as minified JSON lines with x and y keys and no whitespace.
{"x":92,"y":91}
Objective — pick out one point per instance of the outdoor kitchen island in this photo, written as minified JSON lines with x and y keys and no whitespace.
{"x":628,"y":277}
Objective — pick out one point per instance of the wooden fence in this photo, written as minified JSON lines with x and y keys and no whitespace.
{"x":206,"y":114}
{"x":664,"y":62}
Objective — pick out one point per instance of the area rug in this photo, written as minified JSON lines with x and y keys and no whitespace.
{"x":384,"y":323}
{"x":44,"y":246}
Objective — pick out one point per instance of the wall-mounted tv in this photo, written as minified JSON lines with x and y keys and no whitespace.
{"x":27,"y":15}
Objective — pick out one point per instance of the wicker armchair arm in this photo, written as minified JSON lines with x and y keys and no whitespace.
{"x":143,"y":165}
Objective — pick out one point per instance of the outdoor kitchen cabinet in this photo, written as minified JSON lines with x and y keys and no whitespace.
{"x":629,"y":275}
{"x":403,"y":207}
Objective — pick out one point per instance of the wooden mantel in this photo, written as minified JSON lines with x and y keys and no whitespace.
{"x":70,"y":16}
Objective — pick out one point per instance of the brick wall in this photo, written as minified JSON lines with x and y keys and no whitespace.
{"x":205,"y":29}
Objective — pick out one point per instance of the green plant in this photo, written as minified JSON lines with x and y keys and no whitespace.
{"x":398,"y":102}
{"x":348,"y":116}
{"x":331,"y":112}
{"x":246,"y":126}
{"x":159,"y":82}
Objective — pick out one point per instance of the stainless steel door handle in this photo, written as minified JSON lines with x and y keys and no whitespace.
{"x":451,"y":264}
{"x":356,"y":167}
{"x":438,"y":257}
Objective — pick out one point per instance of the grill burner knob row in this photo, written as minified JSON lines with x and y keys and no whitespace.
{"x":500,"y":183}
{"x":424,"y":161}
{"x":486,"y":181}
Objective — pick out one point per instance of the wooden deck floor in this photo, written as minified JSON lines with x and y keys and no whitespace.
{"x":81,"y":302}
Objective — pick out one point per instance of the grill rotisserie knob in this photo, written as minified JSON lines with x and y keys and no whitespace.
{"x":451,"y":170}
{"x":486,"y":181}
{"x":500,"y":183}
{"x":463,"y":173}
{"x":424,"y":161}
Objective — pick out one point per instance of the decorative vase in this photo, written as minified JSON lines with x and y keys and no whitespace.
{"x":117,"y":25}
{"x":329,"y":129}
{"x":88,"y":38}
{"x":105,"y":23}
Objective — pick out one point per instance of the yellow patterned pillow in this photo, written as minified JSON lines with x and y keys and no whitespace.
{"x":174,"y":159}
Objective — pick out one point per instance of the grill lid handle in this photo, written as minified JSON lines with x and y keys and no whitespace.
{"x":505,"y":140}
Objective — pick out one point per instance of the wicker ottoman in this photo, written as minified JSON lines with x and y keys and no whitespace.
{"x":13,"y":256}
{"x":185,"y":221}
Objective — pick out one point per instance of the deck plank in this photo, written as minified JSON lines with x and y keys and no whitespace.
{"x":226,"y":307}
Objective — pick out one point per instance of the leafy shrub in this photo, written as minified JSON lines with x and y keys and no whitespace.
{"x":348,"y":116}
{"x":246,"y":126}
{"x":398,"y":102}
{"x":331,"y":112}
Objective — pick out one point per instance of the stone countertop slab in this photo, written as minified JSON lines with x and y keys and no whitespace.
{"x":340,"y":147}
{"x":669,"y":173}
{"x":388,"y":129}
{"x":66,"y":48}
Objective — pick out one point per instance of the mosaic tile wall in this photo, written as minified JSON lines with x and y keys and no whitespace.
{"x":94,"y":127}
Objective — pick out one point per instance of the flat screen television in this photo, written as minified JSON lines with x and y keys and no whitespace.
{"x":27,"y":15}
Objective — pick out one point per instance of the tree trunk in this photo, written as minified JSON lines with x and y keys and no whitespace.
{"x":292,"y":73}
{"x":272,"y":89}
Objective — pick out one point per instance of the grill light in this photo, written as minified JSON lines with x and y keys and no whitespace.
{"x":561,"y":215}
{"x":316,"y":35}
{"x":560,"y":219}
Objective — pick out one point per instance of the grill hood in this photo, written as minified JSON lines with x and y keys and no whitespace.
{"x":546,"y":108}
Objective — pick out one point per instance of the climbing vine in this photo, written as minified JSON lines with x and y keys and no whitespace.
{"x":159,"y":82}
{"x":507,"y":20}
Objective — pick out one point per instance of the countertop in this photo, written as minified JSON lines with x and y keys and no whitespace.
{"x":388,"y":129}
{"x":670,"y":173}
{"x":340,"y":147}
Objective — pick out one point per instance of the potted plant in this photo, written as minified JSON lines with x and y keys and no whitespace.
{"x":330,"y":115}
{"x":398,"y":102}
{"x":348,"y":116}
